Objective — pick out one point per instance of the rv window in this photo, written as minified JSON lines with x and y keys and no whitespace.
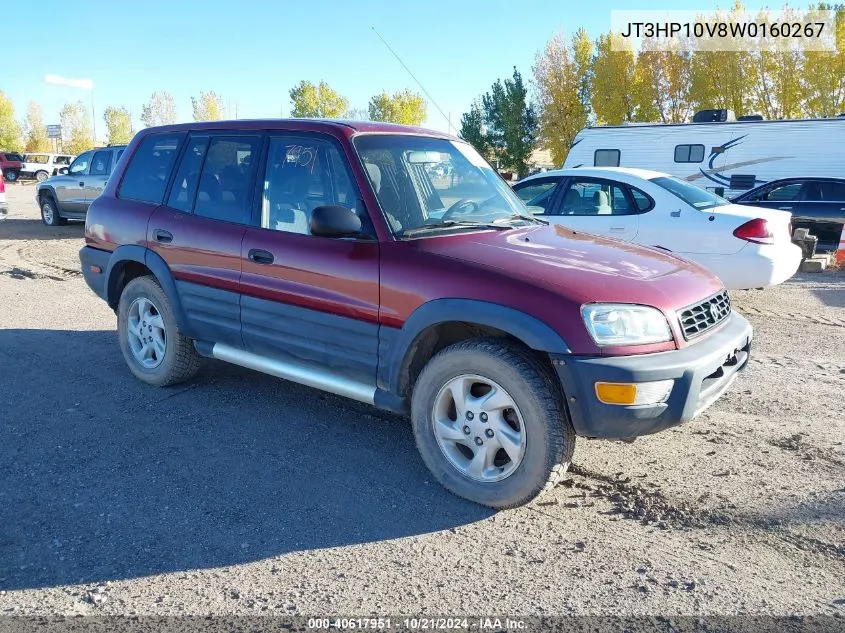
{"x":689,"y":153}
{"x":606,"y":158}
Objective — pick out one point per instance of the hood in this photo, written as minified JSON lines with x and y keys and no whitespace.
{"x":583,"y":267}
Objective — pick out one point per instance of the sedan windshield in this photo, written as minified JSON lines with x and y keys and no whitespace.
{"x":692,"y":195}
{"x":429,"y":184}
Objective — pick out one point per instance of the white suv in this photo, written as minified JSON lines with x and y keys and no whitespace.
{"x":42,"y":166}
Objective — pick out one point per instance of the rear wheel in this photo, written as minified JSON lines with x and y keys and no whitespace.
{"x":11,"y":175}
{"x":50,"y":212}
{"x":152,"y":345}
{"x":490,"y":423}
{"x":41,"y":175}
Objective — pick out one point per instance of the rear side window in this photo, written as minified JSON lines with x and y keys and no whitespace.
{"x":689,"y":153}
{"x":223,"y":191}
{"x":184,"y":188}
{"x":642,"y":200}
{"x":145,"y":178}
{"x":833,"y":192}
{"x":607,"y":158}
{"x":100,"y":164}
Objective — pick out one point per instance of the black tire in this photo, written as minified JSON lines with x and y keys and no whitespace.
{"x":181,"y":360}
{"x":550,"y":438}
{"x":11,"y":175}
{"x":50,"y":215}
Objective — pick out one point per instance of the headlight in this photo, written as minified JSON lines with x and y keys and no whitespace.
{"x":625,"y":324}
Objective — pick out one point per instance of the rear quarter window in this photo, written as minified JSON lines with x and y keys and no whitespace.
{"x":146,"y":176}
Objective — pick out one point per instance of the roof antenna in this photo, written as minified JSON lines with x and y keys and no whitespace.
{"x":399,"y":59}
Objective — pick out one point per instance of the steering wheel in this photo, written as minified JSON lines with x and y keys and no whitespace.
{"x":464,"y":203}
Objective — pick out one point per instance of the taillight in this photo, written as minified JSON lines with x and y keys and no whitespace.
{"x":757,"y":231}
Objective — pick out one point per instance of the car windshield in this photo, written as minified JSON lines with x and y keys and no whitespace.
{"x":429,"y":183}
{"x":692,"y":195}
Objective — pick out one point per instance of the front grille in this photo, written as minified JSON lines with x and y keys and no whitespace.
{"x":700,"y":317}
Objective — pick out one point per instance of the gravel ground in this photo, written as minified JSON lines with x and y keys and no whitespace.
{"x":243,"y":494}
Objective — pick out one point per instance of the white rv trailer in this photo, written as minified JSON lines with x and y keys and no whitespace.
{"x":726,"y":157}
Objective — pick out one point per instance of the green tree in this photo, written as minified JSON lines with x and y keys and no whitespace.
{"x":613,"y":95}
{"x":405,"y":107}
{"x":36,"y":132}
{"x":473,"y":132}
{"x":560,"y":88}
{"x":76,"y":128}
{"x":207,"y":107}
{"x":512,"y":122}
{"x":119,"y":125}
{"x":159,"y":110}
{"x":317,"y":101}
{"x":10,"y":130}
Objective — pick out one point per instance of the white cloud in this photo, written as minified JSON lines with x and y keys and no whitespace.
{"x":85,"y":84}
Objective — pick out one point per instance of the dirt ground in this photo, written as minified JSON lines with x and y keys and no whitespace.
{"x":242,"y":494}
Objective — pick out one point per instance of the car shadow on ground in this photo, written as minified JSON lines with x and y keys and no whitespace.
{"x":25,"y":229}
{"x":106,"y":478}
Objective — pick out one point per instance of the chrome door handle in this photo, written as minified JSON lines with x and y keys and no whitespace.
{"x":617,"y":228}
{"x":785,"y":208}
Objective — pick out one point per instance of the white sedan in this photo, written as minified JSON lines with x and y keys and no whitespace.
{"x":746,"y":247}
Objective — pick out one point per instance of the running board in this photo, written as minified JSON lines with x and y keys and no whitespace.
{"x":296,"y":373}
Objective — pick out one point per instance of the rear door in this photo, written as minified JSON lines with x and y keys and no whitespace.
{"x":598,"y":206}
{"x":70,"y":187}
{"x":308,"y":299}
{"x":199,"y":229}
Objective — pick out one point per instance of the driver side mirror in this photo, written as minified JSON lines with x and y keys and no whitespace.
{"x":63,"y":171}
{"x":334,"y":220}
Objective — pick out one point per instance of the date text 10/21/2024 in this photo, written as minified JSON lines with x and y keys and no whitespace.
{"x":417,"y":624}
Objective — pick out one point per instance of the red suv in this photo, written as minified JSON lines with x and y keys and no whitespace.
{"x":392,"y":265}
{"x":10,"y":165}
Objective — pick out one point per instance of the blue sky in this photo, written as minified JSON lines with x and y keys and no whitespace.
{"x":253,"y":52}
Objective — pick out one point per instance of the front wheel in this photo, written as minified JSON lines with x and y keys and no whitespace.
{"x":152,"y":345}
{"x":490,"y":423}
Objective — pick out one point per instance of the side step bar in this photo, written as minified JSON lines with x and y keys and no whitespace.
{"x":296,"y":373}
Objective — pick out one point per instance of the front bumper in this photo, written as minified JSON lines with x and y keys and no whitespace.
{"x":702,"y":372}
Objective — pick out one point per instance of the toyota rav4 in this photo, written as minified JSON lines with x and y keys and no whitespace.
{"x":393,"y":266}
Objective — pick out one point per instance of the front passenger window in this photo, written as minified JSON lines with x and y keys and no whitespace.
{"x":100,"y":164}
{"x":595,"y":198}
{"x":303,"y":174}
{"x":80,"y":165}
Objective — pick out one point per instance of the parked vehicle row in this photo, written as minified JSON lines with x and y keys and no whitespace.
{"x":745,"y":247}
{"x":393,"y":266}
{"x":68,"y":195}
{"x":42,"y":166}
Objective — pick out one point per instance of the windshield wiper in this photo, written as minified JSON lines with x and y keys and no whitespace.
{"x":519,"y":216}
{"x":445,"y":224}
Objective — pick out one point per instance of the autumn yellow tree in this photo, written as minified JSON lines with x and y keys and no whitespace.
{"x":36,"y":139}
{"x":317,"y":101}
{"x":207,"y":107}
{"x":405,"y":107}
{"x":10,"y":129}
{"x":76,"y":128}
{"x":558,"y":83}
{"x":613,"y":89}
{"x":824,"y":86}
{"x":662,"y":81}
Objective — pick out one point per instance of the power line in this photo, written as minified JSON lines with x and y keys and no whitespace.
{"x":399,"y":59}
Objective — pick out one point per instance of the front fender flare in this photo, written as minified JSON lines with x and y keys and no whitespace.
{"x":530,"y":330}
